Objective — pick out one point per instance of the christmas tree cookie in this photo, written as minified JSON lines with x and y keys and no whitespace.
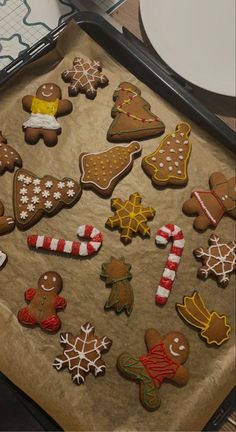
{"x":132,"y":115}
{"x":34,"y":197}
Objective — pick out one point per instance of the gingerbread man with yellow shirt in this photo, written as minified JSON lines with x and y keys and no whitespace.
{"x":44,"y":108}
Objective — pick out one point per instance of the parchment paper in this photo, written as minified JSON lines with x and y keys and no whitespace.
{"x":26,"y":355}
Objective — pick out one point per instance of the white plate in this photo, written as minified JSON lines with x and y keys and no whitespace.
{"x":196,"y":38}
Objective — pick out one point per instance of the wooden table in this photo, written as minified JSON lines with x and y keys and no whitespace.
{"x":128,"y":15}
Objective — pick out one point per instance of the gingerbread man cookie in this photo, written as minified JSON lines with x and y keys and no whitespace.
{"x":84,"y":77}
{"x":7,"y":223}
{"x":164,"y":360}
{"x":43,"y":303}
{"x":132,"y":115}
{"x":212,"y":205}
{"x":44,"y":108}
{"x":218,"y":260}
{"x":9,"y":158}
{"x":167,"y":165}
{"x":83,"y":353}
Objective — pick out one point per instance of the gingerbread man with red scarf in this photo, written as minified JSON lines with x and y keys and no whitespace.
{"x":164,"y":360}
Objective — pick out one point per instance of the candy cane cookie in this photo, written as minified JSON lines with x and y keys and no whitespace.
{"x":73,"y":248}
{"x":164,"y":234}
{"x":3,"y":259}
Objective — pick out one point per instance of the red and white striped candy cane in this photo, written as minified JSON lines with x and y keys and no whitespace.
{"x":74,"y":248}
{"x":163,"y":235}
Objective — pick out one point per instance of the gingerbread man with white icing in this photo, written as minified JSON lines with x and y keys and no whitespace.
{"x":43,"y":303}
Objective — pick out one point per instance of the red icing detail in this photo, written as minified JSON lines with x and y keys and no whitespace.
{"x":176,"y":251}
{"x":60,"y":245}
{"x":161,"y":300}
{"x":51,"y":324}
{"x":98,"y":238}
{"x":158,"y":364}
{"x":47,"y":242}
{"x":60,"y":302}
{"x":88,"y":231}
{"x":163,"y":234}
{"x":31,"y":240}
{"x":170,"y":227}
{"x":29,"y":294}
{"x":166,"y":283}
{"x":171,"y":265}
{"x":178,"y":236}
{"x":90,"y":249}
{"x":75,"y":248}
{"x":25,"y":317}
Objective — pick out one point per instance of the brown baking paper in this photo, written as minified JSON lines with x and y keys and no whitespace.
{"x":110,"y":402}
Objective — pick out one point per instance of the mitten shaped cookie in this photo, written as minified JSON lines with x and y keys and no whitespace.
{"x":44,"y":108}
{"x":101,"y":171}
{"x":211,"y":205}
{"x":167,"y":165}
{"x":117,"y":275}
{"x":218,"y":260}
{"x":132,"y":115}
{"x":164,"y":360}
{"x":7,"y":223}
{"x":43,"y":303}
{"x":34,"y":197}
{"x":84,"y":77}
{"x":83,"y":353}
{"x":9,"y":158}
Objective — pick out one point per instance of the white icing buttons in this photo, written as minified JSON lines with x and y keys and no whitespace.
{"x":168,"y":159}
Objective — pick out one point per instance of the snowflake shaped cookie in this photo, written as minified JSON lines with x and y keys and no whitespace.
{"x":82,"y":353}
{"x":130,"y":216}
{"x":84,"y":77}
{"x":219,"y":260}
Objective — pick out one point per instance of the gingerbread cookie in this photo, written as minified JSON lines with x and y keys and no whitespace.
{"x":117,"y":275}
{"x":34,"y":197}
{"x":3,"y":259}
{"x":214,"y":327}
{"x":43,"y":303}
{"x":130,"y":217}
{"x":218,"y":260}
{"x":9,"y":158}
{"x":84,"y":77}
{"x":7,"y":223}
{"x":101,"y":171}
{"x":44,"y":108}
{"x":83,"y":353}
{"x":167,"y":165}
{"x":212,"y":205}
{"x":164,"y":360}
{"x":132,"y":115}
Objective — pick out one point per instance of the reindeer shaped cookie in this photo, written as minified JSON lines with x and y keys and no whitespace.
{"x":211,"y":205}
{"x":164,"y":360}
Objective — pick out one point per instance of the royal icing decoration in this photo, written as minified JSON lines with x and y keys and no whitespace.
{"x":164,"y":234}
{"x":74,"y":248}
{"x":213,"y":327}
{"x":84,"y":77}
{"x":130,"y":217}
{"x":219,"y":260}
{"x":82,"y":353}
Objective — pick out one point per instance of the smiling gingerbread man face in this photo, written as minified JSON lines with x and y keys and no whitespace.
{"x":176,"y":346}
{"x":50,"y":281}
{"x":48,"y":92}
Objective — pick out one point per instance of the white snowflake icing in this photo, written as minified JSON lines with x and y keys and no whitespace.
{"x":23,"y":215}
{"x":60,"y":185}
{"x":21,"y":177}
{"x":24,"y":199}
{"x":36,"y":182}
{"x":27,"y":180}
{"x":30,"y":207}
{"x":57,"y":195}
{"x":70,"y":192}
{"x":35,"y":199}
{"x":45,"y":194}
{"x":48,"y":204}
{"x":23,"y":191}
{"x":48,"y":184}
{"x":70,"y":184}
{"x":37,"y":189}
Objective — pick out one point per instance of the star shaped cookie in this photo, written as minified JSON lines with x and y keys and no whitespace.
{"x":130,"y":217}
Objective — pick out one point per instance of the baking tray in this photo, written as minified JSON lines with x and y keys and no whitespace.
{"x":132,"y":54}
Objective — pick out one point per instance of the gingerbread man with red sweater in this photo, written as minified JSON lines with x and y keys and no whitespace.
{"x":43,"y":303}
{"x":164,"y":360}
